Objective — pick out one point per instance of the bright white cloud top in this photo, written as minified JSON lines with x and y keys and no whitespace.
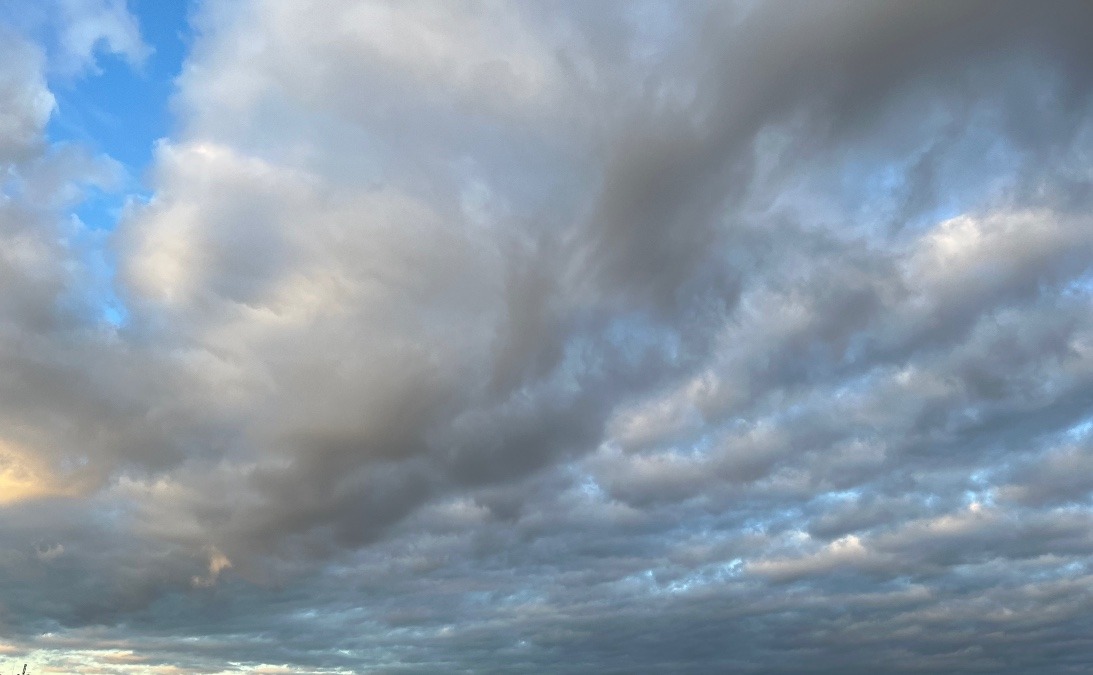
{"x":564,"y":337}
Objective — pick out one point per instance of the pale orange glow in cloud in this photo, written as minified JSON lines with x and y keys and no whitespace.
{"x":23,"y":476}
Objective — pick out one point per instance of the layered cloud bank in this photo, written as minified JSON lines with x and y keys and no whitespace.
{"x":583,"y":337}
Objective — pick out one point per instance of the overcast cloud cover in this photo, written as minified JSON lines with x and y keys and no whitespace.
{"x":581,"y":337}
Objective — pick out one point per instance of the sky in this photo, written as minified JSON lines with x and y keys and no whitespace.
{"x":568,"y":337}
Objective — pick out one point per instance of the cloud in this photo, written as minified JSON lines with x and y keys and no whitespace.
{"x":22,"y":476}
{"x":91,"y":25}
{"x":28,"y":100}
{"x":77,"y":32}
{"x":218,"y":562}
{"x":605,"y":337}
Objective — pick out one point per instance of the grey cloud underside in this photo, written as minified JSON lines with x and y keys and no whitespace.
{"x":586,"y":338}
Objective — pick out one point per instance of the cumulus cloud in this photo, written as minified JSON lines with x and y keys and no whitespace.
{"x":587,"y":337}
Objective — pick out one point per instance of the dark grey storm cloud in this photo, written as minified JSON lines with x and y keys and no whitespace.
{"x":580,"y":337}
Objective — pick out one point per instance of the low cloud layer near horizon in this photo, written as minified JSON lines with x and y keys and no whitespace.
{"x":566,"y":337}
